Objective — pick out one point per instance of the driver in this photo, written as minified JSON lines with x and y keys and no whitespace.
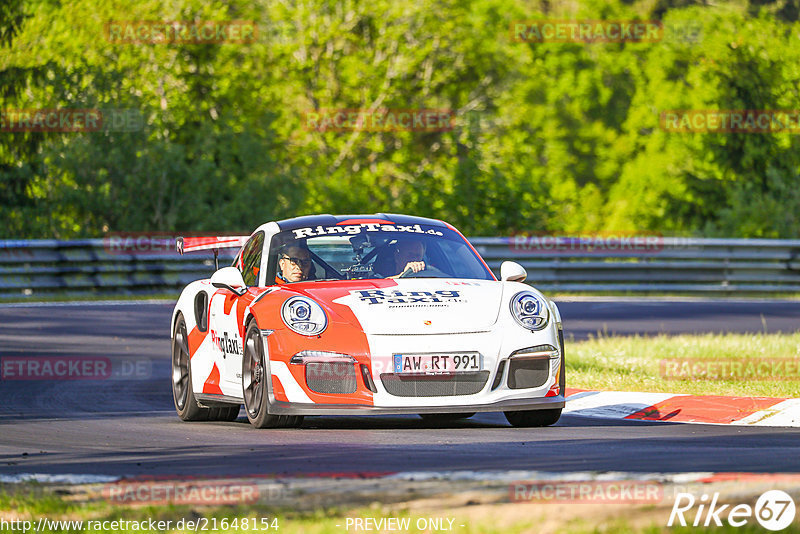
{"x":294,"y":264}
{"x":408,"y":255}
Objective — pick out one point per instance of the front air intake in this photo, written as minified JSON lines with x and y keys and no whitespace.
{"x":498,"y":377}
{"x":435,"y":385}
{"x":528,"y":372}
{"x":331,"y":377}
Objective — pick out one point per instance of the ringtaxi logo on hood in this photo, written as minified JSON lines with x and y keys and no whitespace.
{"x":354,"y":229}
{"x":379,"y":296}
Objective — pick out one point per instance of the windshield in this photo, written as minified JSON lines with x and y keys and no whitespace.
{"x":364,"y":251}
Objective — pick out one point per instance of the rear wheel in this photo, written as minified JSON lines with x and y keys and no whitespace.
{"x":530,"y":418}
{"x":254,"y":385}
{"x":182,"y":392}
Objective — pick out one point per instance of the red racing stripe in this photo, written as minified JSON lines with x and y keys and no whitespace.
{"x":212,"y":382}
{"x":241,"y":304}
{"x":344,"y":333}
{"x":195,"y":339}
{"x":230,"y":300}
{"x":277,"y":390}
{"x":363,"y":221}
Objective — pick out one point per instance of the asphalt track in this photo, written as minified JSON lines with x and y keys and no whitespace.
{"x":126,"y":425}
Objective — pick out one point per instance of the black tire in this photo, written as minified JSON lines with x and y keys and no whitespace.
{"x":182,"y":391}
{"x":254,"y":385}
{"x":528,"y":418}
{"x":224,"y":413}
{"x":445,"y":417}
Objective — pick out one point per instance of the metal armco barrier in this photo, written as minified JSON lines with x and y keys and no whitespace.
{"x":650,"y":263}
{"x":40,"y":267}
{"x":36,"y":268}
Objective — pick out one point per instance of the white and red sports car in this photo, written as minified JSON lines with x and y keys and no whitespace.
{"x":367,"y":314}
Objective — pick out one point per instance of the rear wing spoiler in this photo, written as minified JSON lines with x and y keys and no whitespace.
{"x":195,"y":244}
{"x":214,"y":243}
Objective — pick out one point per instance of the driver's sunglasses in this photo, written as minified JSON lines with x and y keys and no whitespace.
{"x":297,"y":262}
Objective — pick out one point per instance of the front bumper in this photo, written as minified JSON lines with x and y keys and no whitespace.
{"x":541,"y":403}
{"x":496,"y":394}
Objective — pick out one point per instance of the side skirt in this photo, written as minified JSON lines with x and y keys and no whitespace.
{"x":209,"y":400}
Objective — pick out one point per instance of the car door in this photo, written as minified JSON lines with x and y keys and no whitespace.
{"x":225,"y":313}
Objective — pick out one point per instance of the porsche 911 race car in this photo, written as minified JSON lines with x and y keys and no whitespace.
{"x":366,"y":314}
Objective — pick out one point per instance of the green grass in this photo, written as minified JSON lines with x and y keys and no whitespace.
{"x":33,"y":504}
{"x":29,"y":502}
{"x":634,"y":364}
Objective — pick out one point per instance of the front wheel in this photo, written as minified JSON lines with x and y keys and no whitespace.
{"x":254,"y":385}
{"x":528,"y":418}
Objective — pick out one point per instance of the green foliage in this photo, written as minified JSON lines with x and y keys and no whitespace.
{"x":547,"y":137}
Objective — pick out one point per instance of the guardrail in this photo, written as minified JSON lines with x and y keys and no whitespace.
{"x":36,"y":268}
{"x":650,"y":263}
{"x":41,"y":267}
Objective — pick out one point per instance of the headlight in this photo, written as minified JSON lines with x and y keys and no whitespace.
{"x":530,"y":310}
{"x":304,"y":316}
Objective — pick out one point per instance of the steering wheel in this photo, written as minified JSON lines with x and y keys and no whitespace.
{"x":428,"y":272}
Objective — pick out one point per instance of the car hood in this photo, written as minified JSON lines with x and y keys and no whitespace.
{"x":426,"y":306}
{"x":412,"y":306}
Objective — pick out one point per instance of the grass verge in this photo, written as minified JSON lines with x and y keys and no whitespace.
{"x":420,"y":516}
{"x":752,"y":365}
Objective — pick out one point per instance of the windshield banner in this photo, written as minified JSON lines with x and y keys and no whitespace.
{"x":353,"y":229}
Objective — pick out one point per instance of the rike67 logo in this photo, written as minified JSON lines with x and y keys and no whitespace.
{"x":774,"y":510}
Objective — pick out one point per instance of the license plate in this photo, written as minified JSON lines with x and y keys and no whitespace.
{"x":438,"y":363}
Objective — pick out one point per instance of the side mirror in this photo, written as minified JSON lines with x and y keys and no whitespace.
{"x":512,"y":271}
{"x":229,"y":278}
